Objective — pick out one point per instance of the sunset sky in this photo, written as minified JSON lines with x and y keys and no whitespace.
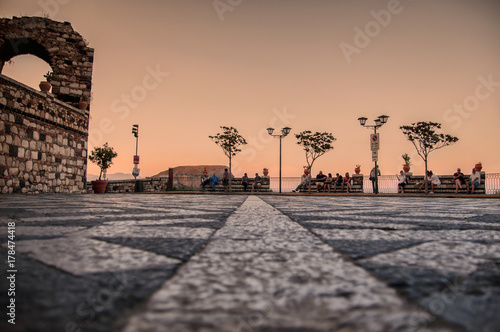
{"x":180,"y":69}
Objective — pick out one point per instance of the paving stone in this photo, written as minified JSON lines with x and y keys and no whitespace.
{"x":80,"y":256}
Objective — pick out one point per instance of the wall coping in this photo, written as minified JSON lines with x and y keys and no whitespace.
{"x":44,"y":95}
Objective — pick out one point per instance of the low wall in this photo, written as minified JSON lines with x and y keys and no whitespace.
{"x":129,"y":186}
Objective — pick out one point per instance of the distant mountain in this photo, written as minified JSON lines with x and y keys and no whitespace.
{"x":113,"y":176}
{"x":194,"y":170}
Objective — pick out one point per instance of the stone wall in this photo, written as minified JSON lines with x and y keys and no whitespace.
{"x":43,"y":141}
{"x":128,"y":186}
{"x":64,"y":49}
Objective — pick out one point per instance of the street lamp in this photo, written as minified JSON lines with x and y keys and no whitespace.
{"x":284,"y":132}
{"x":135,"y":131}
{"x":374,"y":142}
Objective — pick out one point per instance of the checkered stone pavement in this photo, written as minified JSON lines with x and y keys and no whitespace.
{"x":158,"y":262}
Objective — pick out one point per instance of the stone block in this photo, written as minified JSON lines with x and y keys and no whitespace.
{"x":20,"y":152}
{"x":25,"y":144}
{"x":29,"y":166}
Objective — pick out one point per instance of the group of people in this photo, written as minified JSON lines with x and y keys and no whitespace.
{"x":324,"y":182}
{"x":433,"y":181}
{"x":471,"y":184}
{"x":214,"y":181}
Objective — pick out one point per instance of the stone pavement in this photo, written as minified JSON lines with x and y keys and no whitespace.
{"x":158,"y":262}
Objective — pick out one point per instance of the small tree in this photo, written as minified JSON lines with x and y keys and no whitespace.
{"x":425,"y":139}
{"x":103,"y":157}
{"x":229,"y":141}
{"x":315,"y":145}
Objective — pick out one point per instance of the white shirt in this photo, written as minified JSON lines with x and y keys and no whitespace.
{"x":435,"y":180}
{"x":475,"y":177}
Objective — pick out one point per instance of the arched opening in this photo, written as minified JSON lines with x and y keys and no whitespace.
{"x":27,"y":69}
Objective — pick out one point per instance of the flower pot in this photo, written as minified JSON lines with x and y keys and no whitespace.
{"x":307,"y":171}
{"x":265,"y":171}
{"x":357,"y":170}
{"x":82,"y":104}
{"x":406,"y":168}
{"x":479,"y":167}
{"x":45,"y":86}
{"x":99,"y":186}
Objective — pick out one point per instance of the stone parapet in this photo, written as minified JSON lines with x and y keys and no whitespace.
{"x":43,"y":141}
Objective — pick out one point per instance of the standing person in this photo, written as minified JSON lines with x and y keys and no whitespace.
{"x":338,"y":182}
{"x":401,"y":182}
{"x":347,"y":182}
{"x":225,"y":180}
{"x":320,"y":181}
{"x":459,"y":178}
{"x":304,"y":182}
{"x":474,"y":181}
{"x":328,"y":182}
{"x":374,"y":180}
{"x":214,"y":180}
{"x":205,"y":179}
{"x":256,"y":182}
{"x":244,"y":182}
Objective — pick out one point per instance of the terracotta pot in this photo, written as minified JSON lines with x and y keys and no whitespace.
{"x":357,"y":170}
{"x":265,"y":171}
{"x":82,"y":104}
{"x":45,"y":86}
{"x":99,"y":186}
{"x":406,"y":168}
{"x":479,"y":167}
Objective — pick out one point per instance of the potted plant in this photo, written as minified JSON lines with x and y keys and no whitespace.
{"x":357,"y":170}
{"x":479,"y":166}
{"x":45,"y":85}
{"x":103,"y":157}
{"x":406,"y":166}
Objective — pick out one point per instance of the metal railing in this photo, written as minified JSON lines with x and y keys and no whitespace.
{"x":388,"y":184}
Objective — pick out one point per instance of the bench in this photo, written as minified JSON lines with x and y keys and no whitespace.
{"x":356,"y":186}
{"x":447,"y":185}
{"x":237,"y":186}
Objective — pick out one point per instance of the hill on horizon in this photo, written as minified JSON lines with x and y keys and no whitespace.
{"x":194,"y":170}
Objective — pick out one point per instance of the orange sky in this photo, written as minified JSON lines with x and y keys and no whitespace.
{"x":180,"y":69}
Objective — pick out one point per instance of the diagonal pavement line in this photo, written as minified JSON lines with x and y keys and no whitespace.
{"x":263,"y":271}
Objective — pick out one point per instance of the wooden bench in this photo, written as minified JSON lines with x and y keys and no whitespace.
{"x":447,"y":185}
{"x":356,"y":186}
{"x":237,"y":185}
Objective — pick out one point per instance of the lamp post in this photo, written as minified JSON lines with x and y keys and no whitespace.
{"x":374,"y":142}
{"x":135,"y":131}
{"x":284,"y":132}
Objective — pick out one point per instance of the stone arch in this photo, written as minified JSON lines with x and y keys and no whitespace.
{"x":64,"y":49}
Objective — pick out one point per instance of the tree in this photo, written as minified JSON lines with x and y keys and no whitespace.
{"x":315,"y":145}
{"x":103,"y":157}
{"x":229,"y":141}
{"x":424,"y":137}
